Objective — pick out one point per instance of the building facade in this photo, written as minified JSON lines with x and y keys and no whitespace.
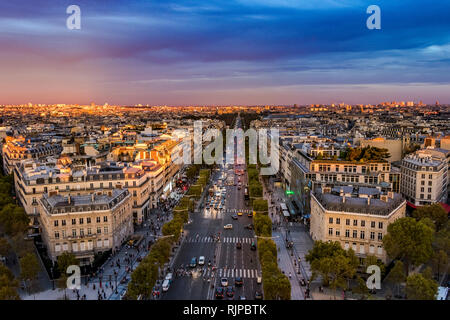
{"x":87,"y":224}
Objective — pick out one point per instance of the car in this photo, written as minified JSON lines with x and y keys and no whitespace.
{"x":228,"y":226}
{"x":230,"y":292}
{"x":169,"y":277}
{"x":249,"y":226}
{"x":250,"y":214}
{"x":238,"y":281}
{"x":239,"y":214}
{"x":234,"y":217}
{"x":238,"y":245}
{"x":258,"y":279}
{"x":258,"y":295}
{"x":253,"y":246}
{"x":193,"y":263}
{"x":165,"y":285}
{"x":224,"y":282}
{"x":201,"y":260}
{"x":219,"y":293}
{"x":242,"y":298}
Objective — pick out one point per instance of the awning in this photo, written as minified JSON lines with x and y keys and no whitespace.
{"x":286,"y":213}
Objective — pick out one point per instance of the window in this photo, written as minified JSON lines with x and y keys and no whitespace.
{"x":355,"y":234}
{"x":63,"y":222}
{"x":355,"y":223}
{"x":430,"y":176}
{"x":88,"y":220}
{"x":372,"y":224}
{"x":81,"y":232}
{"x":372,"y":236}
{"x":105,"y":230}
{"x":363,"y":223}
{"x":74,"y":221}
{"x":330,"y":220}
{"x":372,"y":248}
{"x":361,"y":234}
{"x":347,"y":222}
{"x":330,"y":231}
{"x":380,"y":250}
{"x":74,"y":232}
{"x":338,"y":220}
{"x":98,"y":219}
{"x":105,"y":219}
{"x":429,"y":189}
{"x":380,"y":225}
{"x":338,"y":233}
{"x":81,"y":220}
{"x":347,"y":233}
{"x":56,"y":235}
{"x":99,"y":230}
{"x":380,"y":236}
{"x":55,"y":223}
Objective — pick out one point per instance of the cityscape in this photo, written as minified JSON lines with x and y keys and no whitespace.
{"x":178,"y":171}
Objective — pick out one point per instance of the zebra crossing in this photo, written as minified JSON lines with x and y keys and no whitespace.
{"x":223,"y":240}
{"x":238,"y":210}
{"x":230,"y":273}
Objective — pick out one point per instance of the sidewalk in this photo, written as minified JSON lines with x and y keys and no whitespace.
{"x":289,"y":258}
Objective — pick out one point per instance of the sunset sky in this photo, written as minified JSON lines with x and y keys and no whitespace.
{"x":224,"y":52}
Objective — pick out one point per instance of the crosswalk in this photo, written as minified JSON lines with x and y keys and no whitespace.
{"x":238,"y":210}
{"x":223,"y":240}
{"x":231,"y":273}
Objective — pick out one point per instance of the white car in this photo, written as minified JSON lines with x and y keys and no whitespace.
{"x":224,"y":282}
{"x":201,"y":260}
{"x":228,"y":226}
{"x":165,"y":285}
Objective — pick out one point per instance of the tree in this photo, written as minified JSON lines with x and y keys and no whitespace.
{"x":419,"y":287}
{"x":5,"y":247}
{"x":435,"y":212}
{"x":143,"y":279}
{"x":373,"y":260}
{"x":29,"y":267}
{"x":361,"y":288}
{"x":8,"y":285}
{"x":397,"y":275}
{"x":65,"y":260}
{"x":334,"y":264}
{"x":410,"y":241}
{"x":439,"y":262}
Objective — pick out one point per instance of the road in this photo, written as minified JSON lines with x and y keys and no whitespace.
{"x":227,"y":260}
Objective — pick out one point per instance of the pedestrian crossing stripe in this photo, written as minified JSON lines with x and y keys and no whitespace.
{"x":224,"y":240}
{"x":231,"y":273}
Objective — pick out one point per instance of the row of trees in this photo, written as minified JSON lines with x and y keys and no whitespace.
{"x":144,"y":277}
{"x":276,"y":284}
{"x":14,"y":224}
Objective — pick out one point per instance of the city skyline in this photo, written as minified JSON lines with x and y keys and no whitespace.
{"x":257,"y":52}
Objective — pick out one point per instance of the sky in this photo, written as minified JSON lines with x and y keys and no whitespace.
{"x":210,"y":52}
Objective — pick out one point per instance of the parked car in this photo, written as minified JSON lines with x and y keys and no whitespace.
{"x":193,"y":263}
{"x":238,"y":281}
{"x":258,"y":295}
{"x":238,"y":245}
{"x":228,"y":226}
{"x":249,"y":226}
{"x":165,"y":285}
{"x":239,"y":214}
{"x":201,"y":260}
{"x":234,"y":217}
{"x":253,"y":246}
